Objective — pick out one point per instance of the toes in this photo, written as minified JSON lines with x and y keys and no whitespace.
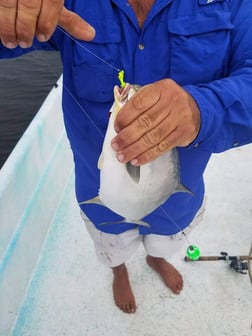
{"x":128,"y":308}
{"x":132,"y":308}
{"x":177,"y":290}
{"x":171,"y":277}
{"x":176,"y":285}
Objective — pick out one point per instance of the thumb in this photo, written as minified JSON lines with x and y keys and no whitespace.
{"x":75,"y":25}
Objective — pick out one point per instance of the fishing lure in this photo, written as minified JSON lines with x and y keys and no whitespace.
{"x":239,"y":264}
{"x":121,"y":78}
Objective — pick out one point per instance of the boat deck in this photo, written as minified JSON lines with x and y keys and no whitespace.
{"x":68,"y":292}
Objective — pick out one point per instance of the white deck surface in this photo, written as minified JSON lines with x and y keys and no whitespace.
{"x":70,"y":293}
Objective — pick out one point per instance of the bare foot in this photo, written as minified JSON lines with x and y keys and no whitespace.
{"x":171,"y":277}
{"x":123,"y":294}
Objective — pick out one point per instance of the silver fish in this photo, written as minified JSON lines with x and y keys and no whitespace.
{"x":130,"y":191}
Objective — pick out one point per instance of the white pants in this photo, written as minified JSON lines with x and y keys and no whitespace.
{"x":116,"y":249}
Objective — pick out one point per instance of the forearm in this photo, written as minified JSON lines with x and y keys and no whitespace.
{"x":225,"y":104}
{"x":226,"y":113}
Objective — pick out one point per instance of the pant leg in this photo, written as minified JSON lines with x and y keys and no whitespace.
{"x":113,"y":249}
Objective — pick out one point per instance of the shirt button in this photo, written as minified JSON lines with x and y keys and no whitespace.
{"x":196,"y":145}
{"x":141,"y":46}
{"x":235,"y":144}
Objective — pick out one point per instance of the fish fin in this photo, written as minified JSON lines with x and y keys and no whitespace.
{"x":95,"y":200}
{"x":100,"y":161}
{"x":182,"y":188}
{"x":133,"y":171}
{"x":141,"y":222}
{"x":112,"y":223}
{"x":137,"y":222}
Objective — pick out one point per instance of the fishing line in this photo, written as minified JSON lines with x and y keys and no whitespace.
{"x":75,"y":100}
{"x":174,"y":222}
{"x":84,"y":111}
{"x":88,"y":50}
{"x":119,"y":71}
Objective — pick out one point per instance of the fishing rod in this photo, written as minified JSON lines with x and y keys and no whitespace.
{"x":250,"y":263}
{"x":240,"y":264}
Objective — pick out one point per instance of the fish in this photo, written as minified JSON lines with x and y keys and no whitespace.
{"x":131,"y":191}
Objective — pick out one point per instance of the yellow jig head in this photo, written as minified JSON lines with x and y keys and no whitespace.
{"x":121,"y":78}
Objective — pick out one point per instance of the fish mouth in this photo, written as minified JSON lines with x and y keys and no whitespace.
{"x":125,"y":93}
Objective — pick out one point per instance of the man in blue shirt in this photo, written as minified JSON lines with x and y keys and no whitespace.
{"x":196,"y":57}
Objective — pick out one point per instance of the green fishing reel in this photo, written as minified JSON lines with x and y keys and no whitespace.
{"x":193,"y":252}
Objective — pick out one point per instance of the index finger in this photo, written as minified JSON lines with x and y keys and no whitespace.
{"x":53,"y":13}
{"x":144,"y":99}
{"x":76,"y":26}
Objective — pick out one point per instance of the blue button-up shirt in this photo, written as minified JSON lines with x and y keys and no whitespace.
{"x":205,"y":46}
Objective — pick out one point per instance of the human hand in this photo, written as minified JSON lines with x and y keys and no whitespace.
{"x":159,"y":117}
{"x":21,"y":20}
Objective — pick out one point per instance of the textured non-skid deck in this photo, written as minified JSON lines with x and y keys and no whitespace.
{"x":70,"y":292}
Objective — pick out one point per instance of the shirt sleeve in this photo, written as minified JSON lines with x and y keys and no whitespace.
{"x":226,"y":104}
